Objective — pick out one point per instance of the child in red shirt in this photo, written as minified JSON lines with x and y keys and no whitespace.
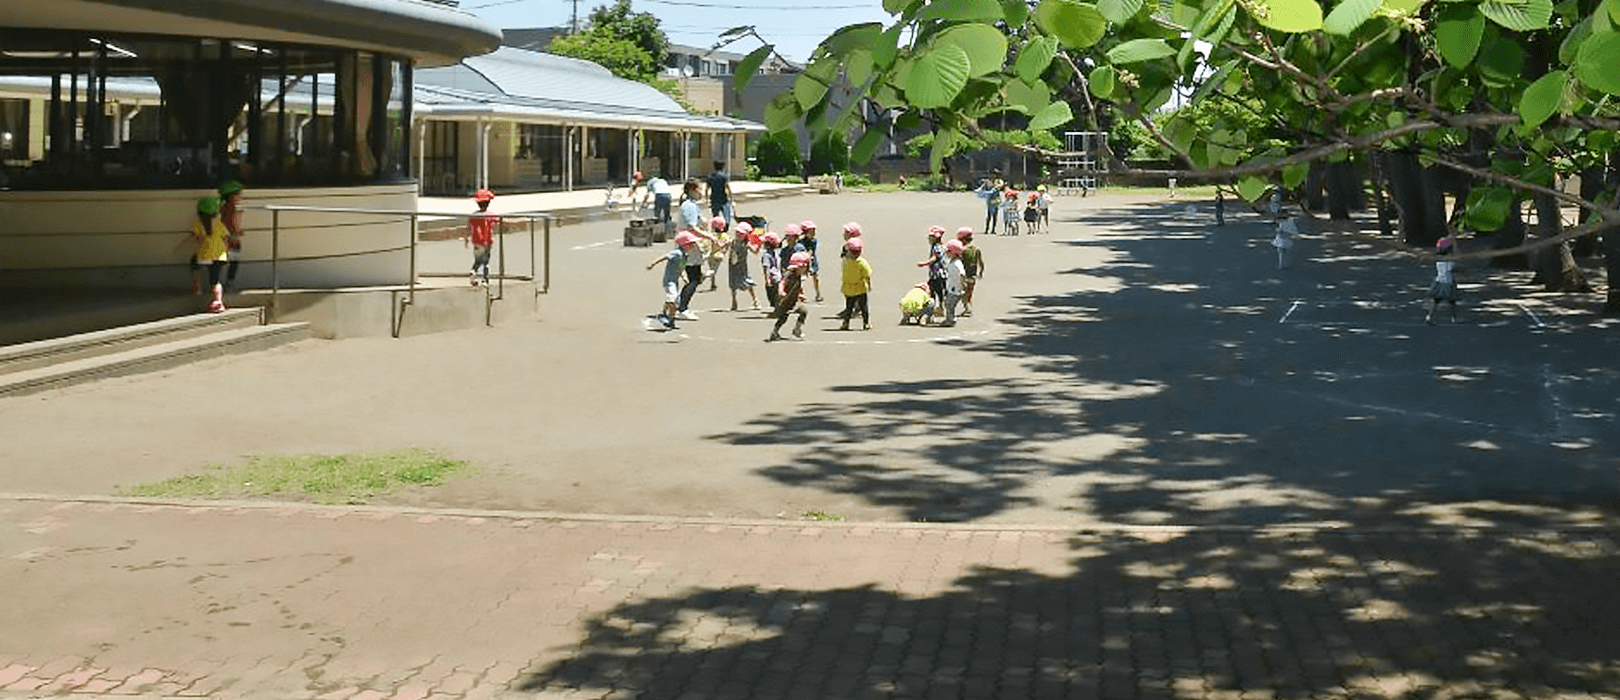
{"x":481,"y":228}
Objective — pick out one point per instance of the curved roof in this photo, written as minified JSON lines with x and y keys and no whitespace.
{"x":433,"y":33}
{"x":529,"y":85}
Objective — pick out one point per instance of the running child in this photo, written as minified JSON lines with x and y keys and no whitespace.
{"x":211,"y":237}
{"x":481,"y":228}
{"x":792,"y":301}
{"x":857,"y":284}
{"x":737,"y":265}
{"x":686,"y":248}
{"x":770,"y":247}
{"x":230,"y":212}
{"x":1444,"y":287}
{"x":972,"y":265}
{"x":807,"y":238}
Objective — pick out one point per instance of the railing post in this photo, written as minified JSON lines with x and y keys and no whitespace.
{"x":275,"y":261}
{"x":548,"y":254}
{"x":500,"y":282}
{"x":412,"y":293}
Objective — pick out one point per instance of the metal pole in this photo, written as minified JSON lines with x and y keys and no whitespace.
{"x":548,"y":253}
{"x":500,"y":240}
{"x":533,"y":278}
{"x":412,"y":297}
{"x":275,"y":260}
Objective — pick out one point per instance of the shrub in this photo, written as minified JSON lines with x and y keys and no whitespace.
{"x":778,"y":154}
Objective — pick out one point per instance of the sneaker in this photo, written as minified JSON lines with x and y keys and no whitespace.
{"x":967,"y":312}
{"x":945,"y":324}
{"x":866,"y":326}
{"x":686,"y":316}
{"x":774,"y":337}
{"x":798,"y":334}
{"x":216,"y":307}
{"x":844,"y":326}
{"x":665,"y":321}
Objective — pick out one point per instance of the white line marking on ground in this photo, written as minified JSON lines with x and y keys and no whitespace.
{"x":598,"y":244}
{"x":1425,"y":415}
{"x":1291,"y":308}
{"x":1532,"y":314}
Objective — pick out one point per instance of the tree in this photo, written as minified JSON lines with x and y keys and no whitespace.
{"x":630,"y":44}
{"x":829,"y":153}
{"x":1496,"y":96}
{"x":778,"y":154}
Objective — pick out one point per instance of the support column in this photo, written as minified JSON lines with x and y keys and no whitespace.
{"x":483,"y":153}
{"x":686,"y":156}
{"x":421,"y":157}
{"x":568,"y":158}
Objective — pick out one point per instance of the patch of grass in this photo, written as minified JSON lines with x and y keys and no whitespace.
{"x":350,"y":478}
{"x":822,"y":516}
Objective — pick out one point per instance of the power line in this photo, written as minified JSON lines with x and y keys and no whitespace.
{"x":867,"y":6}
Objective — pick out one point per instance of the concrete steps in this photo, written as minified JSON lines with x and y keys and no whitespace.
{"x":37,"y":366}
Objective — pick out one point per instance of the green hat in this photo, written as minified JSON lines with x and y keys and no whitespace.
{"x":208,"y":204}
{"x":230,"y":187}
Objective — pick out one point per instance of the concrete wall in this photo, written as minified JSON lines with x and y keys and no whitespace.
{"x":128,"y":238}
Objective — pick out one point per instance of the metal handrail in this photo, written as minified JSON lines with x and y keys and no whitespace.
{"x":415,"y":217}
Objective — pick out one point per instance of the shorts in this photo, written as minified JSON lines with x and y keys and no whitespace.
{"x":672,"y":293}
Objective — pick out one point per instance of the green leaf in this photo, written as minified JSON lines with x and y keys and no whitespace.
{"x":855,"y":36}
{"x":1054,"y":115}
{"x":944,"y":145}
{"x":1501,"y":62}
{"x":1487,"y":207}
{"x":859,"y":66}
{"x":1292,"y":16}
{"x":1571,"y":45}
{"x":1295,"y":174}
{"x":937,"y":76}
{"x":808,"y":90}
{"x":1035,"y":58}
{"x":1457,"y":32}
{"x":895,"y":7}
{"x":1102,"y":82}
{"x":1349,"y":15}
{"x":1077,"y":25}
{"x":1119,"y":11}
{"x":1526,"y":16}
{"x":782,"y":112}
{"x":1137,"y":50}
{"x":750,"y":65}
{"x":884,"y":51}
{"x":1016,"y":12}
{"x":1252,"y":187}
{"x":864,"y":148}
{"x":1598,"y":63}
{"x":961,"y":11}
{"x":1541,"y":99}
{"x":986,"y":46}
{"x":1614,"y":12}
{"x":1211,"y":18}
{"x":1404,"y":7}
{"x":1180,"y":132}
{"x":1028,"y":98}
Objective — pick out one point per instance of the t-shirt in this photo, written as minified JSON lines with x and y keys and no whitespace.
{"x":916,"y":300}
{"x":658,"y":186}
{"x":1442,"y":271}
{"x":772,"y":263}
{"x":211,"y":244}
{"x":970,"y":261}
{"x":481,"y":229}
{"x":717,"y":188}
{"x":691,"y":216}
{"x":953,"y":276}
{"x":674,"y":263}
{"x":936,"y":270}
{"x":857,"y":277}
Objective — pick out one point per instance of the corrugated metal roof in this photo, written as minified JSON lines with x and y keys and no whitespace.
{"x":547,"y":76}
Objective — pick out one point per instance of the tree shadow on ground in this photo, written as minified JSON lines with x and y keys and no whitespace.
{"x":1460,"y":484}
{"x":1199,"y":384}
{"x":1201,"y":614}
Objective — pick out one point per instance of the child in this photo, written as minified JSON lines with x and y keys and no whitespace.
{"x":1444,"y":287}
{"x":807,"y":238}
{"x":916,"y":304}
{"x":1032,"y":212}
{"x":972,"y":265}
{"x":790,"y":243}
{"x":675,"y":260}
{"x":851,"y":230}
{"x":1284,"y":240}
{"x":792,"y":301}
{"x":936,"y":267}
{"x":717,"y":250}
{"x":770,"y":245}
{"x":954,"y":275}
{"x":230,"y":212}
{"x":737,"y":265}
{"x":211,"y":237}
{"x":1009,"y":212}
{"x":857,"y":284}
{"x":1045,"y":205}
{"x":481,"y":236}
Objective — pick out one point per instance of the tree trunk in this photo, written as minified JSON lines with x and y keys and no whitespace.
{"x":1418,"y":201}
{"x":1555,"y":266}
{"x":1311,"y":195}
{"x":1378,"y":169}
{"x":1592,"y":181}
{"x":1343,"y":190}
{"x":1511,"y":235}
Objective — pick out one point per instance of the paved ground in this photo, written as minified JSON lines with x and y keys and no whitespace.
{"x":1150,"y":466}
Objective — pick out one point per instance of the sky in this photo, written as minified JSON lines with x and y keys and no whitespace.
{"x":794,"y":26}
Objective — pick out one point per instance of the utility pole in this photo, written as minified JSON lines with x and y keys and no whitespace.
{"x":573,"y":25}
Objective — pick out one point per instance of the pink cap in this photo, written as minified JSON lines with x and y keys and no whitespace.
{"x":936,"y":231}
{"x":799,"y":260}
{"x":964,"y":233}
{"x":852,"y":229}
{"x":855,"y":244}
{"x":685,"y":238}
{"x":771,"y":238}
{"x":954,"y":247}
{"x":718,"y":223}
{"x":807,"y":225}
{"x":792,"y":230}
{"x":745,"y":228}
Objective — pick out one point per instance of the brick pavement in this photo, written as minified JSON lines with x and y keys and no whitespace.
{"x":119,"y":598}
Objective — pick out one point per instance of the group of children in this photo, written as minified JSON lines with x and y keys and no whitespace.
{"x":1002,"y":201}
{"x":216,"y":235}
{"x":791,"y":273}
